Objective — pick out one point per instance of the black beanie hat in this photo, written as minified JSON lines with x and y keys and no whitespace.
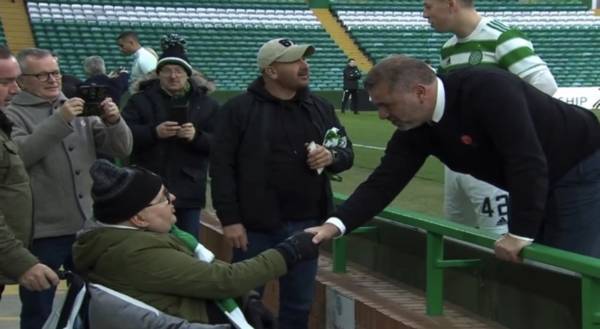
{"x":120,"y":193}
{"x":173,"y":47}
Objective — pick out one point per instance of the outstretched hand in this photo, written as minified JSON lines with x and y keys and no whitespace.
{"x":323,"y":233}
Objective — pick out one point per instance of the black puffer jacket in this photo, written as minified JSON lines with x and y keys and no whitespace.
{"x":241,"y":151}
{"x":183,"y":165}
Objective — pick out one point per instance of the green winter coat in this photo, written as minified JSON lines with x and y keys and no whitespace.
{"x":16,"y":215}
{"x":159,"y":270}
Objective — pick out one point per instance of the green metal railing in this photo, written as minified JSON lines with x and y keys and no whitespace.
{"x":587,"y":267}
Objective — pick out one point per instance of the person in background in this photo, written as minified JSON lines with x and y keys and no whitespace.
{"x":95,"y":72}
{"x":172,"y":120}
{"x":351,"y":77}
{"x":144,"y":59}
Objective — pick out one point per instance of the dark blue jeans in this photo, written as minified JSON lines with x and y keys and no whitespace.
{"x":296,"y":288}
{"x":36,"y":306}
{"x":188,"y":219}
{"x":573,"y":210}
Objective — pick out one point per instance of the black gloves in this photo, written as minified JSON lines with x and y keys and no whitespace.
{"x":258,"y":316}
{"x":298,"y":247}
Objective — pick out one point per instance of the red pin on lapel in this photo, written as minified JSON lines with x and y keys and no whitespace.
{"x":466,"y":139}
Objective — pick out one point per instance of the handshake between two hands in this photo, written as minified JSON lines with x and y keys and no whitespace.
{"x":298,"y":247}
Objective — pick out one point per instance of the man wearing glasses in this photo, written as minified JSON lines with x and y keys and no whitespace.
{"x":171,"y":119}
{"x":58,"y":146}
{"x":133,"y":247}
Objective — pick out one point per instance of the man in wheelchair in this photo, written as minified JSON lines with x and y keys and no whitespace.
{"x":133,"y":248}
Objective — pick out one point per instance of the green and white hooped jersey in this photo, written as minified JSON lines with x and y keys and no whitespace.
{"x":492,"y":43}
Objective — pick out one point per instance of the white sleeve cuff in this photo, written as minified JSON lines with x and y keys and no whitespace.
{"x":337,"y":223}
{"x":521,"y":237}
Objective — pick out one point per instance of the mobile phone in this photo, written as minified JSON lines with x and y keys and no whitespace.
{"x":92,"y":95}
{"x":178,"y":114}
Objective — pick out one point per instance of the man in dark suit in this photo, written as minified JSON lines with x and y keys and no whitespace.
{"x":496,"y":127}
{"x":351,"y":76}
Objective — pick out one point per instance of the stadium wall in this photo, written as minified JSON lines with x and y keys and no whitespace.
{"x":516,"y":296}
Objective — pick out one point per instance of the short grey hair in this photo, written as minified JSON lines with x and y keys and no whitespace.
{"x":94,"y":65}
{"x":36,"y":53}
{"x":399,"y":71}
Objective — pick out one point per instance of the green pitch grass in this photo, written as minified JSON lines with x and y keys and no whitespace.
{"x":425,"y":193}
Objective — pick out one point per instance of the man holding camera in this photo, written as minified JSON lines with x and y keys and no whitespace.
{"x":171,"y":118}
{"x":58,"y":145}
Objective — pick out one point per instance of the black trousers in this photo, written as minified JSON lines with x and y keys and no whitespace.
{"x":353,"y":95}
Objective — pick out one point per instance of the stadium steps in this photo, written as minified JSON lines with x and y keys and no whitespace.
{"x":341,"y":37}
{"x":17,"y":31}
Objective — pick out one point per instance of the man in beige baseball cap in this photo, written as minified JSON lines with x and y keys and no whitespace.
{"x":283,"y":51}
{"x":269,"y":183}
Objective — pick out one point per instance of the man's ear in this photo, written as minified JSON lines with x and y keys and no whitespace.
{"x":138,"y":221}
{"x":421,"y":92}
{"x":271,"y":72}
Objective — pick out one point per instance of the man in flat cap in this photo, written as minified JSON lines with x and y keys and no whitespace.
{"x":269,"y":165}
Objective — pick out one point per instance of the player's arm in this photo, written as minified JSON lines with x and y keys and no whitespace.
{"x":516,"y":54}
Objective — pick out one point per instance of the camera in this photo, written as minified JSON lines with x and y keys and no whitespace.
{"x":93,"y":95}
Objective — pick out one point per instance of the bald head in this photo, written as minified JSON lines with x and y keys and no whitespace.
{"x":399,"y":71}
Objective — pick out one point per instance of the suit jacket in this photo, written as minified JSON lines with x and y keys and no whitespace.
{"x":351,"y":76}
{"x":495,"y":127}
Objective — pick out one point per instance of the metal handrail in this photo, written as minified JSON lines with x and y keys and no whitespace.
{"x":437,"y":229}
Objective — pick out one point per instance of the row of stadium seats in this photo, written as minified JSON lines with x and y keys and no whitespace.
{"x":227,"y":55}
{"x":414,"y":20}
{"x":150,"y":15}
{"x":281,"y":4}
{"x":488,"y":5}
{"x":229,"y":37}
{"x":567,"y":50}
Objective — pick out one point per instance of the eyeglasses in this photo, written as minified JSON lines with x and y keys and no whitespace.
{"x":166,"y":197}
{"x":44,"y":76}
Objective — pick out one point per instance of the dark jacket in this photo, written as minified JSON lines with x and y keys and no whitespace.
{"x":497,"y":128}
{"x":351,"y":76}
{"x":183,"y":165}
{"x":16,"y":209}
{"x":69,"y":85}
{"x":241,"y":150}
{"x":116,"y":86}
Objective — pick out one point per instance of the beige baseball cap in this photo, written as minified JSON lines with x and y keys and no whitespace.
{"x":282,"y":50}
